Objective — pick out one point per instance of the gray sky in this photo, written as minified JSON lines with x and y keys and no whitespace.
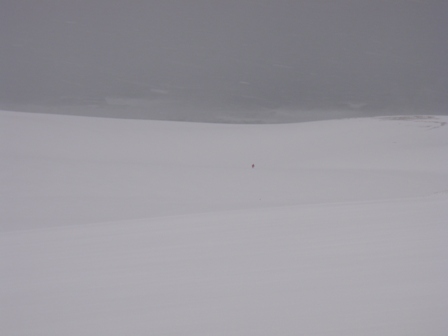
{"x":274,"y":54}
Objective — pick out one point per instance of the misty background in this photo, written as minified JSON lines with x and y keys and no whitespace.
{"x":224,"y":61}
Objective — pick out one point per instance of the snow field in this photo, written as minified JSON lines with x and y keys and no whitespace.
{"x":112,"y":227}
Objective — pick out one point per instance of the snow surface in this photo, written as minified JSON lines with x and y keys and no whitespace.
{"x":126,"y":227}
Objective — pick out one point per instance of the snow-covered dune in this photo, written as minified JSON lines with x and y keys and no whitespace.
{"x":112,"y":227}
{"x":59,"y":170}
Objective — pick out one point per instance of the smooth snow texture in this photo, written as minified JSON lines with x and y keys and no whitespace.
{"x":112,"y":227}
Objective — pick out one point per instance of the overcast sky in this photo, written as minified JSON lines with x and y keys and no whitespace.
{"x":283,"y":53}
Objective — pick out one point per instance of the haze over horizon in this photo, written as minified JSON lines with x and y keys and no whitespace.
{"x":246,"y":55}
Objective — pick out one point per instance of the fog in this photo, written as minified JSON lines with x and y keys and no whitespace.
{"x":234,"y":61}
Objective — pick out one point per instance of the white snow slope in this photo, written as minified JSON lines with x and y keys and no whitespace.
{"x":120,"y":227}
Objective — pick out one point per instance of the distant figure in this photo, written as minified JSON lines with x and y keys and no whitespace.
{"x":253,"y":166}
